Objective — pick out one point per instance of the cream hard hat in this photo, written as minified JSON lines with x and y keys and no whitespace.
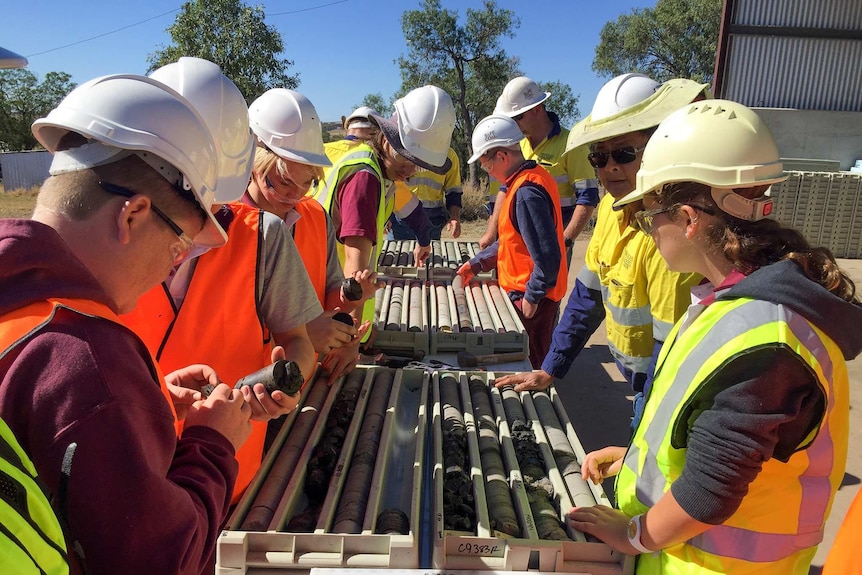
{"x":520,"y":95}
{"x":494,"y":131}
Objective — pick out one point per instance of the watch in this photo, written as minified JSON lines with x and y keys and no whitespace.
{"x":634,"y":534}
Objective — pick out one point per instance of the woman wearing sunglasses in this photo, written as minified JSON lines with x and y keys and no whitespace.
{"x":623,"y":281}
{"x":743,"y":439}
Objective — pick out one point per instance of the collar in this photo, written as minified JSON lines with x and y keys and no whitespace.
{"x":733,"y":278}
{"x":556,"y":128}
{"x":528,"y":164}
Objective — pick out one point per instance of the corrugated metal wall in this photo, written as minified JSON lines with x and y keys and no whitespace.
{"x":24,"y":169}
{"x":794,"y":54}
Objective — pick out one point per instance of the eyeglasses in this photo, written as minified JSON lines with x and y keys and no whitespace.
{"x":643,"y":220}
{"x":403,"y":164}
{"x":519,"y":117}
{"x":624,"y":155}
{"x":183,"y":247}
{"x":281,"y":168}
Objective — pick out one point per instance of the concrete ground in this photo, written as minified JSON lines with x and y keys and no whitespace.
{"x":599,"y":405}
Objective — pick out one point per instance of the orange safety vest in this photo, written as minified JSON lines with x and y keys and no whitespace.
{"x":514,"y":262}
{"x":309,"y":234}
{"x":219,"y":323}
{"x":20,"y":324}
{"x":846,"y":553}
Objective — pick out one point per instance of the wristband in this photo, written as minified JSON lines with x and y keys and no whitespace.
{"x":634,"y":534}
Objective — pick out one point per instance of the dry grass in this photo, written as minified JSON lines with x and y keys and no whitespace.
{"x":17,"y":203}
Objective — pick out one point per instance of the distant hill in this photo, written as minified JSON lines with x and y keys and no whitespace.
{"x":332,"y":131}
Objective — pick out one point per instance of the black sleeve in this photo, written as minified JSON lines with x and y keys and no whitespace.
{"x":761,"y":405}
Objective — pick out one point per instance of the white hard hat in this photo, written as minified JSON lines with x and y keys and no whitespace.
{"x":131,"y":112}
{"x":223,"y":108}
{"x":519,"y":95}
{"x":494,"y":131}
{"x":622,"y":92}
{"x":359,"y":118}
{"x":639,"y":115}
{"x":719,"y":143}
{"x":421,"y":128}
{"x":286,"y":122}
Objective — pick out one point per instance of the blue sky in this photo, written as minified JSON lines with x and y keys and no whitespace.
{"x":342,"y":50}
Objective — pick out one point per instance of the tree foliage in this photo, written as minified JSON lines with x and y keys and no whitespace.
{"x":465,"y":59}
{"x":561,"y":101}
{"x":24,"y":99}
{"x":378,"y":103}
{"x":234,"y":36}
{"x":676,"y":39}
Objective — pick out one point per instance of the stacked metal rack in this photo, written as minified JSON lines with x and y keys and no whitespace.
{"x":442,"y":316}
{"x":362,"y":475}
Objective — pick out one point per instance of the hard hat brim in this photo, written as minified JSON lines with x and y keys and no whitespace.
{"x":300,"y":157}
{"x":390,"y":132}
{"x":671,"y":96}
{"x":519,"y":111}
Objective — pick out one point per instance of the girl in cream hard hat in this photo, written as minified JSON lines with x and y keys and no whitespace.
{"x":288,"y":160}
{"x":744,"y":434}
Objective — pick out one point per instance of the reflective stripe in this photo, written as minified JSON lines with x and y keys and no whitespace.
{"x":651,"y":484}
{"x":408,"y":207}
{"x":661,"y":329}
{"x":627,"y":316}
{"x":453,"y":190}
{"x":586,"y":184}
{"x":567,"y":202}
{"x":561,"y":178}
{"x":632,"y":363}
{"x":430,"y":204}
{"x":590,"y":279}
{"x":416,"y":181}
{"x":327,"y":187}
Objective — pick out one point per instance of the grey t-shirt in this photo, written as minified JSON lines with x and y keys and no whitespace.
{"x":285,"y":295}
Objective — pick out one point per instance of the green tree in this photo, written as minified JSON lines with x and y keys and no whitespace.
{"x":676,"y":39}
{"x":465,"y":59}
{"x":378,"y":103}
{"x":235,"y":37}
{"x":24,"y":99}
{"x":562,"y":102}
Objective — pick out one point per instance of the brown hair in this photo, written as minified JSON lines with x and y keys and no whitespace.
{"x":752,"y":245}
{"x":265,"y":159}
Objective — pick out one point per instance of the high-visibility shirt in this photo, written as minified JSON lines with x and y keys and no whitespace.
{"x":779,"y":523}
{"x":223,"y":329}
{"x":346,"y":159}
{"x":571,"y":173}
{"x":31,"y":540}
{"x":846,"y":553}
{"x":309,"y":234}
{"x":432,"y":189}
{"x":642,"y":298}
{"x":514,"y":262}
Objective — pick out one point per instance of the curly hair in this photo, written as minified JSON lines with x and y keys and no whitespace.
{"x":752,"y":245}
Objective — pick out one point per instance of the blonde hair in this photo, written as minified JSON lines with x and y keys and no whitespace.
{"x":265,"y":159}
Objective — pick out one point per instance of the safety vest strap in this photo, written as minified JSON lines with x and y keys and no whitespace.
{"x":751,"y":545}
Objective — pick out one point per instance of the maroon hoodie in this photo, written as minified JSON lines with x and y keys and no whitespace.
{"x":137,"y":500}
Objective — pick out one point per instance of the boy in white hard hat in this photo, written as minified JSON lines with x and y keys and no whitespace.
{"x":545,"y":142}
{"x":358,"y":126}
{"x":530,"y":253}
{"x":134,"y":175}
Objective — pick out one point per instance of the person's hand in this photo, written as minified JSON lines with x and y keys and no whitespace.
{"x":369,"y":282}
{"x":537,"y":380}
{"x":488,"y":238}
{"x":609,"y":525}
{"x":603,"y":463}
{"x":466,"y":272}
{"x":528,"y":308}
{"x":341,"y":361}
{"x":327,"y":334}
{"x":265,"y":405}
{"x":184,"y":386}
{"x":224,"y":411}
{"x":420,"y":254}
{"x":454,"y":228}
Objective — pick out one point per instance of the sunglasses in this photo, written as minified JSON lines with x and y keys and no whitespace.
{"x":624,"y":155}
{"x":644,"y":219}
{"x":183,"y":247}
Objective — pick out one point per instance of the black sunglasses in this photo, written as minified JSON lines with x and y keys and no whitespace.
{"x":624,"y":155}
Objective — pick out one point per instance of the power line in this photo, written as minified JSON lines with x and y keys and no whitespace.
{"x":308,"y":9}
{"x":165,"y":14}
{"x":105,"y":34}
